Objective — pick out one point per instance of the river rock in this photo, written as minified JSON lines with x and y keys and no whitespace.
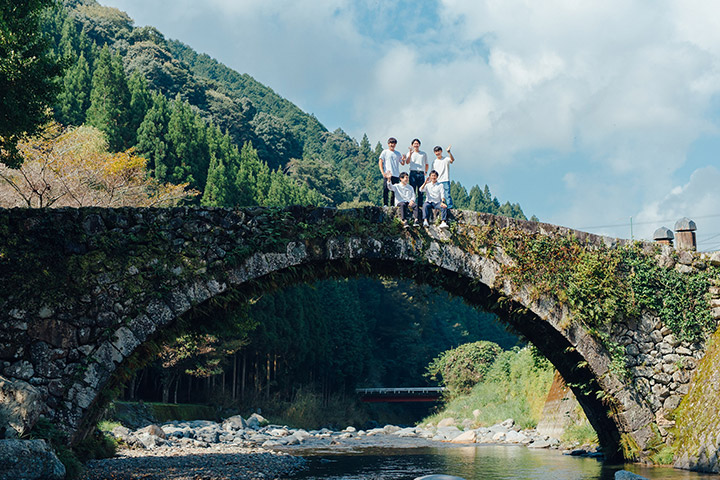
{"x":447,"y":433}
{"x":515,"y":437}
{"x":540,"y":444}
{"x":406,"y":432}
{"x":256,"y":421}
{"x":446,"y":422}
{"x":389,"y":429}
{"x":29,"y":460}
{"x":236,"y":422}
{"x":468,"y":436}
{"x":625,"y":475}
{"x":153,"y":430}
{"x":509,"y":423}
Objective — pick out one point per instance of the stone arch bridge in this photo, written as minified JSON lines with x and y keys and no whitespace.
{"x":83,"y":290}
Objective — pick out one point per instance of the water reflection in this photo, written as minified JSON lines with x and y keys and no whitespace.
{"x":486,"y":462}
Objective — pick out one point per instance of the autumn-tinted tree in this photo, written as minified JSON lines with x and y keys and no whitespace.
{"x":29,"y":74}
{"x":73,"y":168}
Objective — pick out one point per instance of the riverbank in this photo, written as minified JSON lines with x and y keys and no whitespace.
{"x":175,"y":462}
{"x":239,"y":448}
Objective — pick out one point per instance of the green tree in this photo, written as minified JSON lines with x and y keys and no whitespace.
{"x":140,"y":103}
{"x":151,"y":138}
{"x":74,"y":99}
{"x":459,"y":369}
{"x":252,"y":179}
{"x":220,"y":188}
{"x":110,"y":100}
{"x":189,"y":156}
{"x":29,"y":74}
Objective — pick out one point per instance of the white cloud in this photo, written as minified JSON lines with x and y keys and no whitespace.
{"x":698,"y":199}
{"x":584,"y":112}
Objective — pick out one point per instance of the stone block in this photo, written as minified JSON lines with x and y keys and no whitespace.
{"x":29,"y":460}
{"x":680,"y":268}
{"x":20,"y":406}
{"x":672,"y":402}
{"x":23,"y":370}
{"x":714,"y":259}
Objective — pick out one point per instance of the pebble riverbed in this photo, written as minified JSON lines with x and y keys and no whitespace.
{"x":239,"y":448}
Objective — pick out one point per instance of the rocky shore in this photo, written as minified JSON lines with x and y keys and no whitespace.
{"x":240,"y":448}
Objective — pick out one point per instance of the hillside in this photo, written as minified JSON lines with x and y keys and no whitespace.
{"x":207,"y":113}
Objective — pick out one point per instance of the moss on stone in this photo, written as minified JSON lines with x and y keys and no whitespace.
{"x":697,"y":418}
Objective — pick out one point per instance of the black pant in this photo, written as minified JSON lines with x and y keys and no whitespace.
{"x":405,"y":211}
{"x":389,"y":193}
{"x":417,"y":178}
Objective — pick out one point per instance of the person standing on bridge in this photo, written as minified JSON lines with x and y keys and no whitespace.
{"x":389,"y":163}
{"x":418,"y":162}
{"x":435,"y":199}
{"x":405,"y":199}
{"x":442,"y":167}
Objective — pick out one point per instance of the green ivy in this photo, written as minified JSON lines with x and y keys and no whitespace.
{"x":603,"y":285}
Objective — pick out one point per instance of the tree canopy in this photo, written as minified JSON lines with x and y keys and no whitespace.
{"x":29,"y":74}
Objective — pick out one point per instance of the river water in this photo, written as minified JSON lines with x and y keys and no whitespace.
{"x":486,"y":462}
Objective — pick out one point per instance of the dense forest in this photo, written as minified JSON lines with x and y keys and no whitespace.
{"x":199,"y":122}
{"x":191,"y":123}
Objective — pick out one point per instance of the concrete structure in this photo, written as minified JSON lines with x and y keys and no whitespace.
{"x":84,"y":291}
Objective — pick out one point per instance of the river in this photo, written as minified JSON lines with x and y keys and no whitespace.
{"x":486,"y":462}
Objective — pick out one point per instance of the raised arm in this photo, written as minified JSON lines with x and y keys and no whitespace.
{"x":452,"y":159}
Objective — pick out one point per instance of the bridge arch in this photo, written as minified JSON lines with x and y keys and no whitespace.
{"x":110,"y":280}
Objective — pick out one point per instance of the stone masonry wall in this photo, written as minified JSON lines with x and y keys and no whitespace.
{"x":84,"y":289}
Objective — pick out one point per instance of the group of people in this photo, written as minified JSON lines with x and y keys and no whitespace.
{"x":407,"y":181}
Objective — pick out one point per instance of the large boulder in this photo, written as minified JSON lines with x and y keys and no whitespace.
{"x":236,"y":422}
{"x":29,"y":460}
{"x":20,"y":407}
{"x":256,"y":421}
{"x":468,"y":436}
{"x":153,"y":430}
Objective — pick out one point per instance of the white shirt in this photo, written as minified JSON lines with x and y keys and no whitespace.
{"x":442,"y":167}
{"x":391,"y":161}
{"x":403,"y":193}
{"x":418,"y":161}
{"x":435,"y":192}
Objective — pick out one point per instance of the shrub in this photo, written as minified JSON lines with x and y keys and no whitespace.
{"x":461,"y":368}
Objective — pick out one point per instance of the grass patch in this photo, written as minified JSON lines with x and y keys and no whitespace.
{"x":515,"y":386}
{"x":582,"y":433}
{"x":95,"y":446}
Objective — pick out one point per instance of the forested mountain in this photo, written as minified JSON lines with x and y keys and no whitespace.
{"x":238,"y":143}
{"x":191,"y":116}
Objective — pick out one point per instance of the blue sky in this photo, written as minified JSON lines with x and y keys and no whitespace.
{"x":586,"y":113}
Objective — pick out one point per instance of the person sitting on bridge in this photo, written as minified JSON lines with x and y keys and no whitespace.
{"x":435,"y":199}
{"x":405,"y":199}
